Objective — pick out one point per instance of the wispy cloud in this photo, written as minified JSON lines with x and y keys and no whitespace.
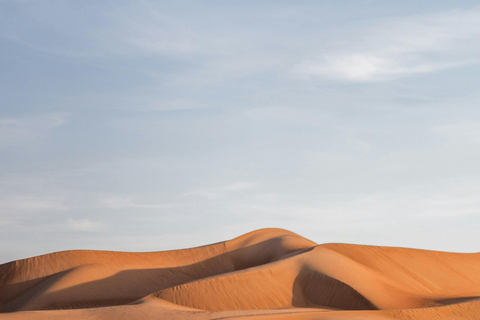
{"x":16,"y":131}
{"x":216,"y":192}
{"x":175,"y":104}
{"x":17,"y":207}
{"x":15,"y":204}
{"x":121,"y":202}
{"x":460,"y":132}
{"x":105,"y":30}
{"x":83,"y":225}
{"x":363,"y":67}
{"x":401,"y":47}
{"x":157,"y":34}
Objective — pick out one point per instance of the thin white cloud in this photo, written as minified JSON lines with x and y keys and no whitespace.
{"x":461,"y":132}
{"x":17,"y":204}
{"x":363,"y":67}
{"x":121,"y":202}
{"x":176,"y":104}
{"x":401,"y":47}
{"x":147,"y":30}
{"x":16,"y":131}
{"x":16,"y":208}
{"x":360,"y":145}
{"x":150,"y":38}
{"x":239,"y":186}
{"x":123,"y":30}
{"x":84,"y":225}
{"x":217,"y":192}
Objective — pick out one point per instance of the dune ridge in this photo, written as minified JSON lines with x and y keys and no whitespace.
{"x":264,"y":274}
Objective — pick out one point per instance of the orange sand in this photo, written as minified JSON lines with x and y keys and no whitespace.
{"x":265,"y":274}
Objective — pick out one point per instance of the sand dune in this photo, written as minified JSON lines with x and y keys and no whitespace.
{"x":265,"y":274}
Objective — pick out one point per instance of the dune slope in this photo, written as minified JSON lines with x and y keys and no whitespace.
{"x":265,"y":274}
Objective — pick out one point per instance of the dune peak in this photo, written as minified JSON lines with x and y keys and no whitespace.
{"x":265,"y":274}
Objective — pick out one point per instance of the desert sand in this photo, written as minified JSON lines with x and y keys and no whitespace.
{"x":265,"y":274}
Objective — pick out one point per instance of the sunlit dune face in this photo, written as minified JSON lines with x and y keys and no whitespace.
{"x":268,"y":273}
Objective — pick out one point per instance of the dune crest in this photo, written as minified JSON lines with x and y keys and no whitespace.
{"x":265,"y":274}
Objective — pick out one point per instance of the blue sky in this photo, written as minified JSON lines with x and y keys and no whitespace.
{"x":154,"y":125}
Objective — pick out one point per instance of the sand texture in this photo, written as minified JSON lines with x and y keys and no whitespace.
{"x":265,"y":274}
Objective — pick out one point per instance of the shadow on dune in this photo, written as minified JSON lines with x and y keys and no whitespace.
{"x":265,"y":269}
{"x":455,"y":300}
{"x":312,"y":288}
{"x":127,"y":286}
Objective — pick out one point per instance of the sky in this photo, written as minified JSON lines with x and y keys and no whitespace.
{"x":157,"y":125}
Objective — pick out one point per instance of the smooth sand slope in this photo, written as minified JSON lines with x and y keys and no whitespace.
{"x":265,"y":274}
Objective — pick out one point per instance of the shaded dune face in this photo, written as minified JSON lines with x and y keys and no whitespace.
{"x":268,"y":269}
{"x":67,"y":279}
{"x":321,"y":290}
{"x":285,"y":285}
